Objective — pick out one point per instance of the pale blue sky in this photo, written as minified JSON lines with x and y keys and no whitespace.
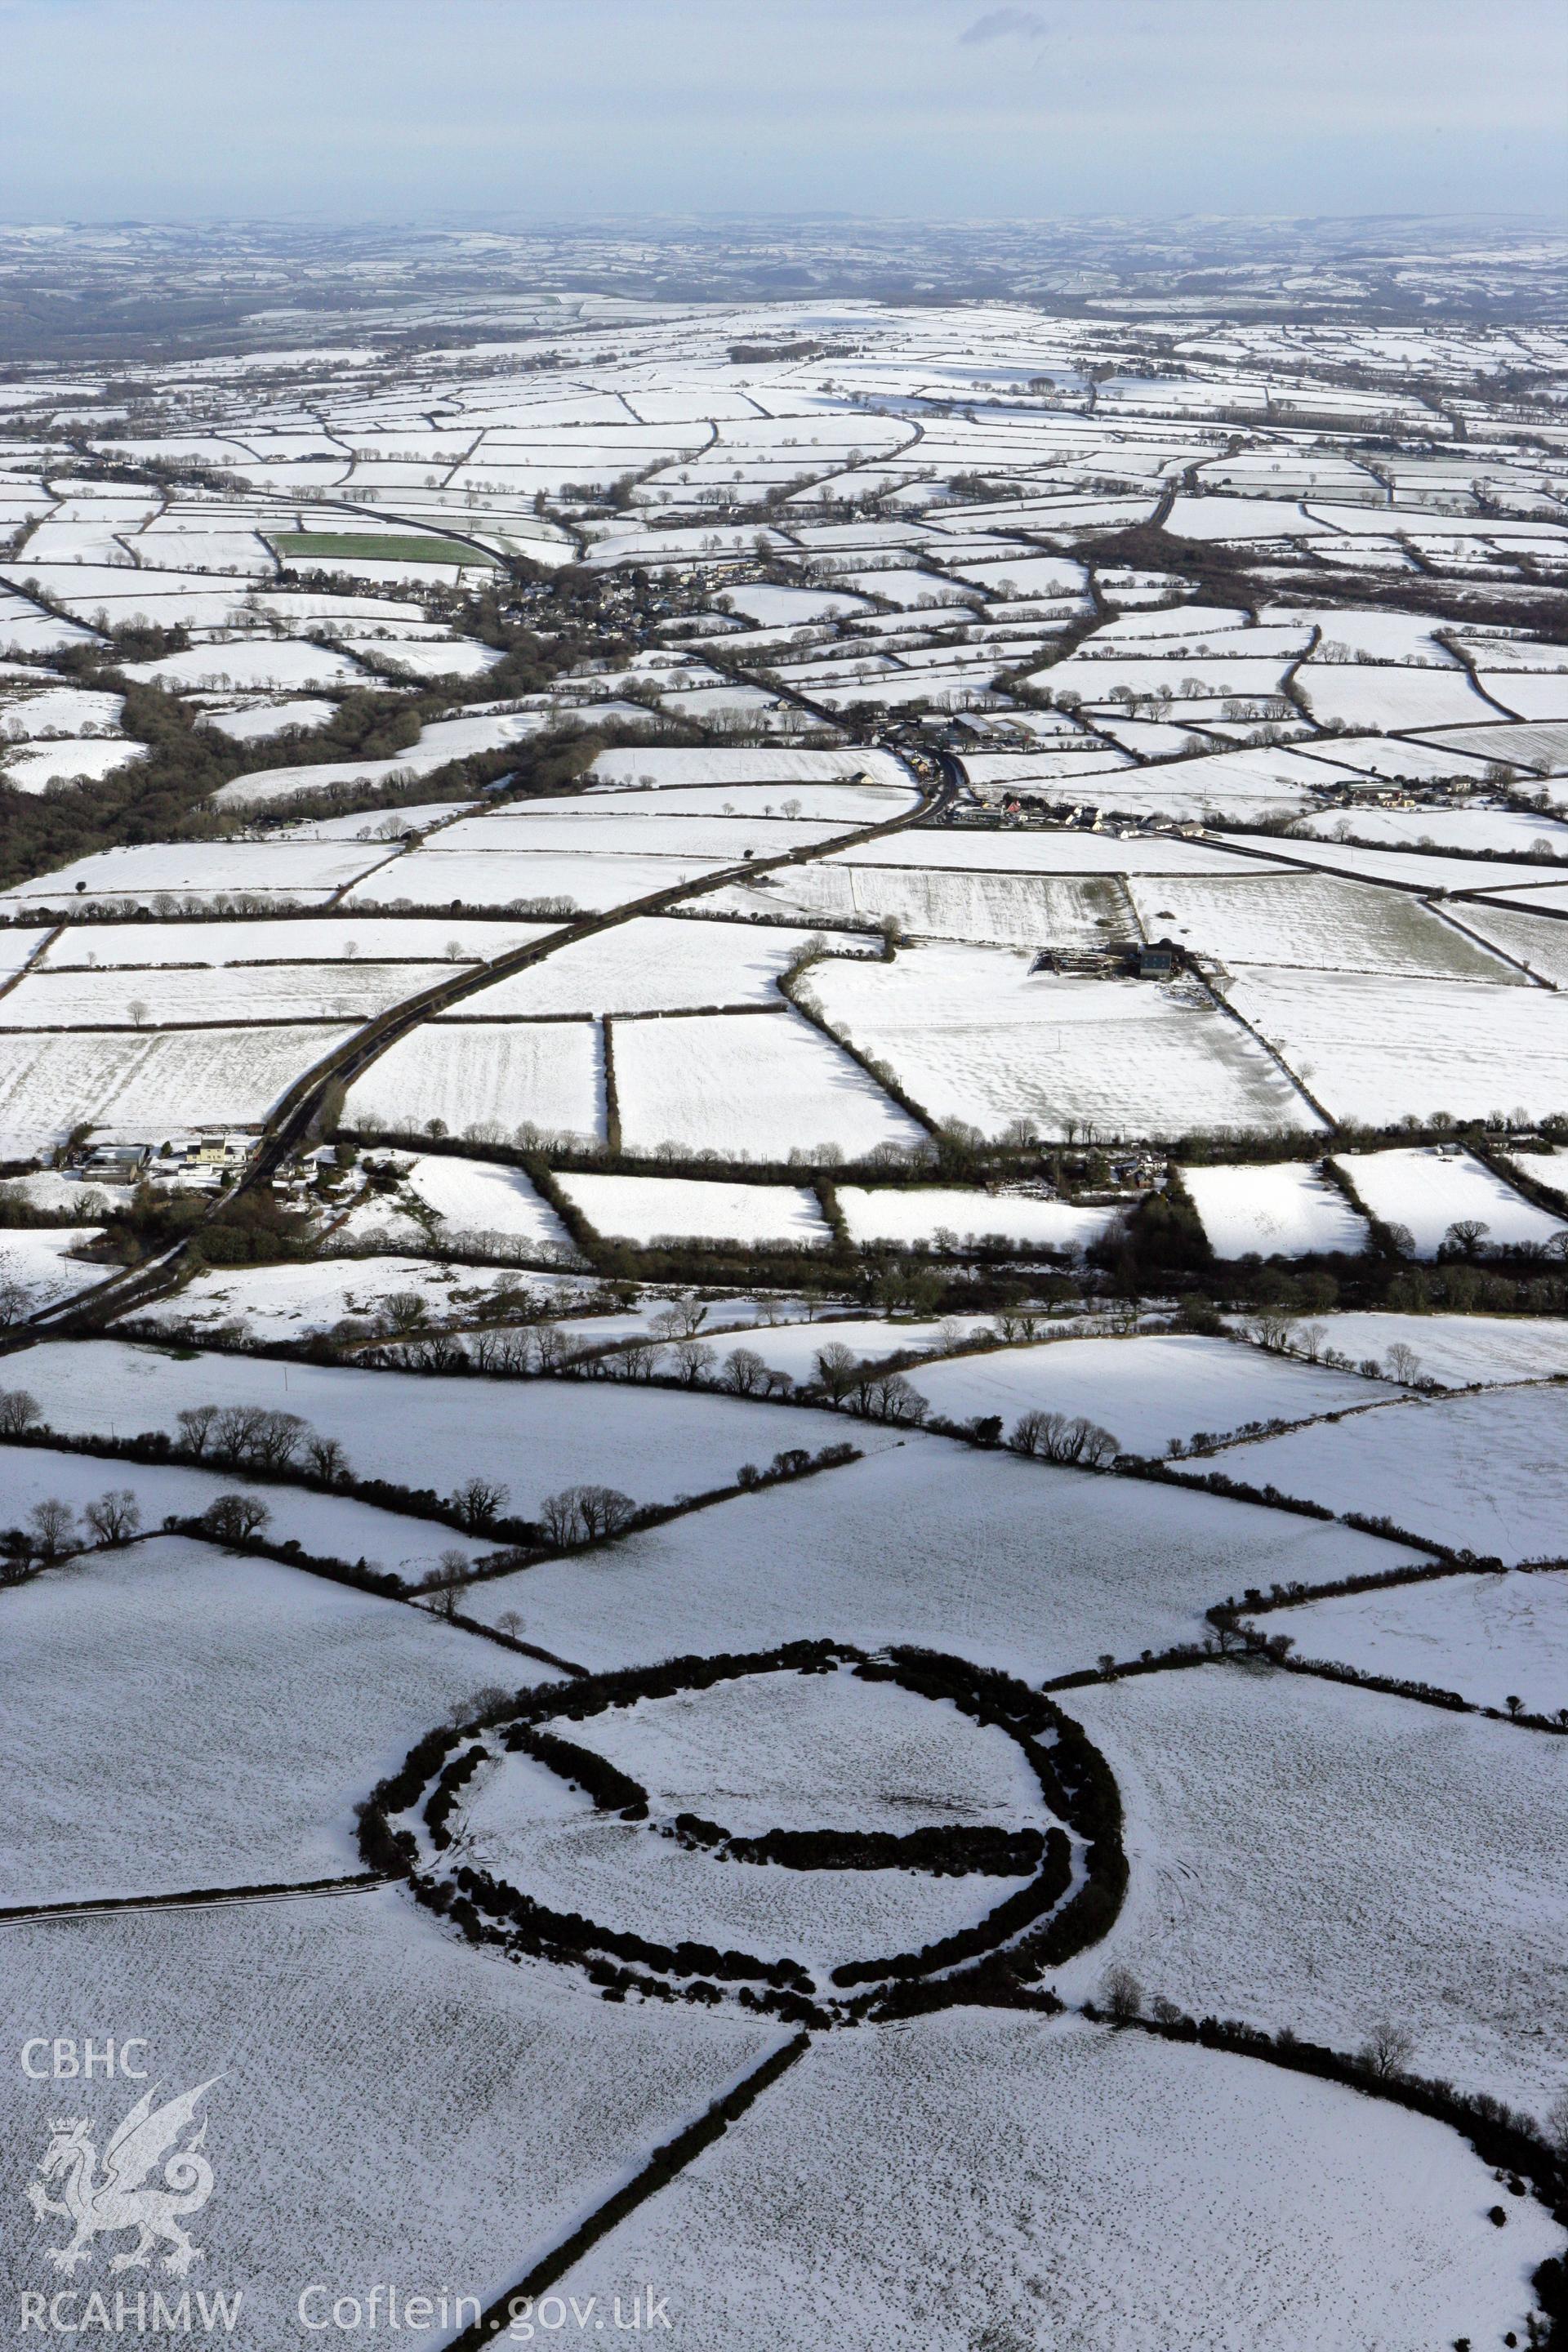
{"x":406,"y":109}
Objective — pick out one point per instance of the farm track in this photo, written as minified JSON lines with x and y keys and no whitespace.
{"x":300,"y":1107}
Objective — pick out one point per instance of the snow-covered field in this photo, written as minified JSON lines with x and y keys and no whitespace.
{"x":332,"y":1525}
{"x":203,"y":869}
{"x":1006,"y":910}
{"x":923,"y":1214}
{"x":1540,"y":942}
{"x":523,"y":879}
{"x":629,"y":1876}
{"x":71,"y":998}
{"x":650,"y":1208}
{"x":1374,"y":1048}
{"x":469,"y":1075}
{"x":1482,"y":1473}
{"x":654,"y":964}
{"x":1430,"y":1189}
{"x":1386,"y":698}
{"x":1284,"y":1208}
{"x":1037,"y":1570}
{"x":472,"y":1199}
{"x":984,"y":2178}
{"x":1455,"y":1351}
{"x":283,"y":939}
{"x":446,"y":2121}
{"x":297,"y":1302}
{"x":42,"y":1261}
{"x":1146,"y":1391}
{"x":145,"y":1081}
{"x":975,"y":1036}
{"x":1549,"y":1168}
{"x":34,"y":767}
{"x":748,"y":1088}
{"x":1488,"y":1637}
{"x":1311,"y":920}
{"x":1311,"y":1855}
{"x":218,"y":1657}
{"x":771,"y":526}
{"x":816,"y":1751}
{"x":656,"y":766}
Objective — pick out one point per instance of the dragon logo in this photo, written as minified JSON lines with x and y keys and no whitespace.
{"x":121,"y":2196}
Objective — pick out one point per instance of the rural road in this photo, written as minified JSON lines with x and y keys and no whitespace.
{"x":299,"y":1109}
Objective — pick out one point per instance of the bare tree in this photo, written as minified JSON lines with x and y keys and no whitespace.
{"x":889,"y":1397}
{"x":744,"y":1372}
{"x":20,"y":1411}
{"x":693,"y":1360}
{"x":54,"y":1527}
{"x":275,"y":1439}
{"x":478,"y":1502}
{"x":1386,"y":2048}
{"x":1121,"y":1995}
{"x":1404,"y":1363}
{"x":16,"y":1300}
{"x":404,"y":1311}
{"x":1464,"y":1235}
{"x":327,"y":1458}
{"x":1056,"y":1438}
{"x":1268,"y":1330}
{"x":233,"y":1518}
{"x":637,"y":1359}
{"x":837,"y":1368}
{"x":115,"y":1516}
{"x":234,"y":1431}
{"x":681,"y":1319}
{"x":603,"y":1510}
{"x":582,"y":1514}
{"x":195,"y":1422}
{"x":1029,"y":1431}
{"x":559,"y":1513}
{"x":443,"y":1595}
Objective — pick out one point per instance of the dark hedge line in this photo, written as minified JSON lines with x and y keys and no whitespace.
{"x":1001,"y":1922}
{"x":1216,"y":1481}
{"x":946,"y":1852}
{"x":443,"y":1799}
{"x":1077,"y":1784}
{"x":193,"y":1894}
{"x":666,"y":2160}
{"x":291,"y":1553}
{"x":539,"y":1928}
{"x":610,"y":1790}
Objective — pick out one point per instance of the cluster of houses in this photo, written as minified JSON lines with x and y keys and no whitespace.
{"x":200,"y":1161}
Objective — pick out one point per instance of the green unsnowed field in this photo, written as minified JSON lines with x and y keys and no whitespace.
{"x":408,"y":547}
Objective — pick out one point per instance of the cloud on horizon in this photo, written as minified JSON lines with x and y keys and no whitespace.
{"x":1003,"y":24}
